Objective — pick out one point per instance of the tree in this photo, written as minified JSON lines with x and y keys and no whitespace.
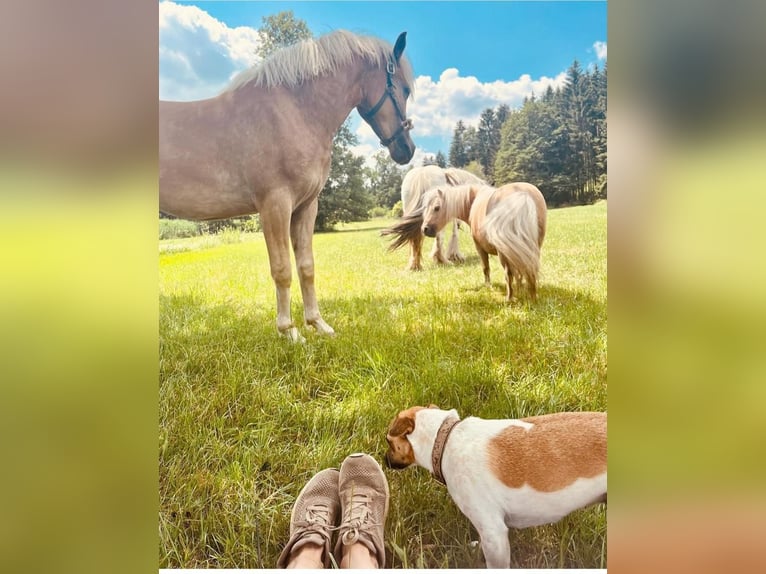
{"x":457,"y":155}
{"x":558,"y":142}
{"x":279,"y":31}
{"x":441,"y":161}
{"x":429,"y":160}
{"x":344,"y":197}
{"x":385,"y":180}
{"x":471,"y":144}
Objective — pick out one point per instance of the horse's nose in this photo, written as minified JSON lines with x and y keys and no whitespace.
{"x":429,"y":231}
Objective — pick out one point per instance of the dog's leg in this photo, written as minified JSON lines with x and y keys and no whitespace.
{"x":495,"y":545}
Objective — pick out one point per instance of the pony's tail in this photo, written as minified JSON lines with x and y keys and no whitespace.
{"x":408,"y":229}
{"x":511,"y":227}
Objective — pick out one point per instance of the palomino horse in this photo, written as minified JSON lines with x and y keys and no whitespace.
{"x":264,"y":146}
{"x":508,"y":221}
{"x":419,"y":180}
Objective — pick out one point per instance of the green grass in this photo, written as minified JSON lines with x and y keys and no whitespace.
{"x":247,"y":418}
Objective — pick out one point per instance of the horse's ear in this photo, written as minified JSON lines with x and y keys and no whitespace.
{"x":440,"y":193}
{"x":401,"y":42}
{"x":450,"y":178}
{"x":432,"y":407}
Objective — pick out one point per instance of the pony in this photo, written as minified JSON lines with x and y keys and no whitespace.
{"x":415,"y":183}
{"x":509,"y":221}
{"x":264,"y":146}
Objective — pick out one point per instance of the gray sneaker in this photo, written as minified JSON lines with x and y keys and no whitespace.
{"x":363,"y":490}
{"x":314,"y":516}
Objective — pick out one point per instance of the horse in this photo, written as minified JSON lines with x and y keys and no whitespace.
{"x":264,"y":145}
{"x":509,"y":221}
{"x":415,"y":183}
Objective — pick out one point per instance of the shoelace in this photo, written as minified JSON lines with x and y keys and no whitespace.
{"x":317,"y":519}
{"x":356,"y":517}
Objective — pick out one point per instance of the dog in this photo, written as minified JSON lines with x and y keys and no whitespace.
{"x":506,"y":473}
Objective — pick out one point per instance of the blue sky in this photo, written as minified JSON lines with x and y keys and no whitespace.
{"x":467,"y":56}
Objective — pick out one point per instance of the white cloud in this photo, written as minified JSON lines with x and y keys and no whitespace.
{"x":199,"y":54}
{"x":369,"y":145}
{"x":439,"y":105}
{"x":600,"y":48}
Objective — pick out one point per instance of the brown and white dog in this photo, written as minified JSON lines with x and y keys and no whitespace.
{"x":506,"y":473}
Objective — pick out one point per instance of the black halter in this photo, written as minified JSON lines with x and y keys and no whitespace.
{"x":405,"y":125}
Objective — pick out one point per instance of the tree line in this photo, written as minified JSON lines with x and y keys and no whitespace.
{"x":556,"y":141}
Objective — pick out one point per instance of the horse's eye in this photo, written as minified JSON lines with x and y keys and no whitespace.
{"x":436,"y":208}
{"x":406,"y":93}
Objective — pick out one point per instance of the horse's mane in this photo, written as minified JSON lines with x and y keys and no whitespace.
{"x":455,"y":196}
{"x":420,"y":179}
{"x":311,"y":58}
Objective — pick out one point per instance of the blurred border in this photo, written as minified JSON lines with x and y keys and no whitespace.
{"x":78,"y":286}
{"x":78,"y":291}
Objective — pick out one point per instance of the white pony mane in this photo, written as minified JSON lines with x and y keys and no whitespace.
{"x":455,"y":196}
{"x":311,"y":58}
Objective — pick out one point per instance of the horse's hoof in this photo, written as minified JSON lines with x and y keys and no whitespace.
{"x":293,"y":335}
{"x":457,"y":258}
{"x":322,"y":328}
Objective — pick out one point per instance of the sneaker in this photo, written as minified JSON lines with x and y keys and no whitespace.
{"x":363,"y":490}
{"x":314,"y":516}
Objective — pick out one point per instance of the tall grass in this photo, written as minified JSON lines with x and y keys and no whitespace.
{"x":246,"y":418}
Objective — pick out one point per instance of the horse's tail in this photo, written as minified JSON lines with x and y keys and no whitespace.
{"x":408,"y":229}
{"x":511,"y":227}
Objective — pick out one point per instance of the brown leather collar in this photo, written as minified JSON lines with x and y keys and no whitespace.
{"x":439,"y":443}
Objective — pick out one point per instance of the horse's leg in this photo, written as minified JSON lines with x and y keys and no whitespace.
{"x":276,"y":230}
{"x":437,"y":251}
{"x":416,"y":245}
{"x":453,"y":252}
{"x":532,"y":285}
{"x":508,"y":278}
{"x":484,"y":256}
{"x":302,"y":233}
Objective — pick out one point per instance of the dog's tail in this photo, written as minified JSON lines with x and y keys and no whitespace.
{"x":511,"y":227}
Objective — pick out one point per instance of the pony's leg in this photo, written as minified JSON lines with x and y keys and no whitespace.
{"x":453,"y":252}
{"x":416,"y":245}
{"x":484,"y":256}
{"x":276,"y":231}
{"x":437,"y":251}
{"x":302,"y":233}
{"x":508,"y":278}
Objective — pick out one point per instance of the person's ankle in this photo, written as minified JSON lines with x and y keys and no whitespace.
{"x":358,"y":555}
{"x":307,"y":556}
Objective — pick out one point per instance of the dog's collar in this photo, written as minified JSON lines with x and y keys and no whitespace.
{"x":439,"y":443}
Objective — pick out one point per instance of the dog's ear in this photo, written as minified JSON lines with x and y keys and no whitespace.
{"x":402,"y":425}
{"x":432,"y":407}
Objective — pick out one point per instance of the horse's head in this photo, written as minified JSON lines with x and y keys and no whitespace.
{"x":384,"y":104}
{"x":434,"y":212}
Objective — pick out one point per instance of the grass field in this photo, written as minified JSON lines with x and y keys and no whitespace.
{"x":246,"y":418}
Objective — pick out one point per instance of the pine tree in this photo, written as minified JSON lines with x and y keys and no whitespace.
{"x":441,"y":161}
{"x":471,"y":144}
{"x":485,"y":141}
{"x":457,"y":154}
